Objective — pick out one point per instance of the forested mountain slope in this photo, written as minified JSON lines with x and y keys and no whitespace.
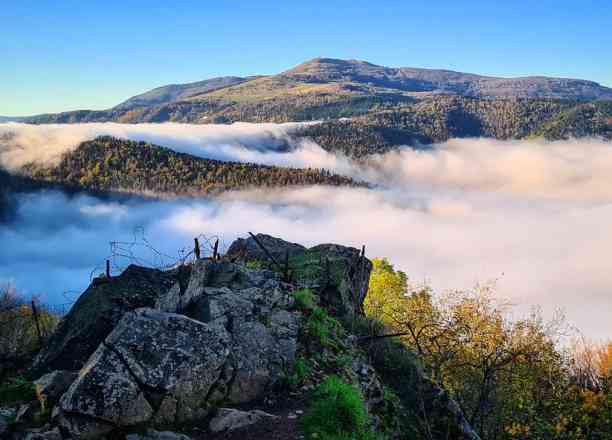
{"x":443,"y":118}
{"x":110,"y":164}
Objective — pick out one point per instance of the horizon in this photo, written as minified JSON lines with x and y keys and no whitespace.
{"x":290,"y":67}
{"x":90,"y":67}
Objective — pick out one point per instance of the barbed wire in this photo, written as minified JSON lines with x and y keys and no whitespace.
{"x":27,"y":322}
{"x":140,"y":251}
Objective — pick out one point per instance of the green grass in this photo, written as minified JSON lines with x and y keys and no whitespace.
{"x":255,"y":264}
{"x":301,"y":371}
{"x":319,"y":325}
{"x":323,"y":328}
{"x":310,"y":265}
{"x":304,"y":300}
{"x":337,"y":412}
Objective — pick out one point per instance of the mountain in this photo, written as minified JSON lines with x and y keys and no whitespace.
{"x":367,"y":76}
{"x":386,"y":106}
{"x":323,"y":82}
{"x":109,"y":164}
{"x":175,"y":92}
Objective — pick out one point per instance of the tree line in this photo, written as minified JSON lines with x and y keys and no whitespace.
{"x":439,"y":119}
{"x":107,"y":163}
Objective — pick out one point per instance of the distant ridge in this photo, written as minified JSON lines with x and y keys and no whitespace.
{"x":334,"y":77}
{"x":175,"y":92}
{"x":386,"y":106}
{"x":14,"y":118}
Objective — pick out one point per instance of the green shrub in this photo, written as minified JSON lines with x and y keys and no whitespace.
{"x":303,"y":299}
{"x":323,"y":328}
{"x":337,"y":411}
{"x":255,"y":264}
{"x":17,"y":389}
{"x":301,"y":371}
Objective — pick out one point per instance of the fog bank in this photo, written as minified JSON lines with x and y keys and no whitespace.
{"x":533,"y":215}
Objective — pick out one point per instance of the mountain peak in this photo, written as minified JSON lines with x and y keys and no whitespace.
{"x":330,"y":64}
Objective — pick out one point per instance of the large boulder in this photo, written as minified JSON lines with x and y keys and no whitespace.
{"x":444,"y":411}
{"x":252,"y":305}
{"x":154,"y":366}
{"x":228,"y":337}
{"x":247,"y":249}
{"x":339,"y":274}
{"x":99,"y":309}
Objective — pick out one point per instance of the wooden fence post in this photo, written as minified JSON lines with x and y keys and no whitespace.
{"x":37,"y":321}
{"x":268,"y":254}
{"x":196,"y":249}
{"x":216,"y":250}
{"x":108,"y":269}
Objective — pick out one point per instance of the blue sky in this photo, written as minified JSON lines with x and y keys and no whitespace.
{"x":60,"y":55}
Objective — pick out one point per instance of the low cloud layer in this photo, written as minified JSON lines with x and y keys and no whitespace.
{"x":533,"y":215}
{"x":575,"y":169}
{"x":24,"y":143}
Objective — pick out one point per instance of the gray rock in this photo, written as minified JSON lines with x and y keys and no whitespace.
{"x":48,"y":434}
{"x":107,"y":391}
{"x":343,"y":282}
{"x":153,"y":362}
{"x":248,"y":250}
{"x":4,"y":426}
{"x":51,"y":386}
{"x":177,"y":297}
{"x":83,"y":427}
{"x":27,"y":412}
{"x":157,"y":435}
{"x":8,"y":412}
{"x":251,"y":305}
{"x":97,"y":312}
{"x":234,"y":339}
{"x":228,"y":419}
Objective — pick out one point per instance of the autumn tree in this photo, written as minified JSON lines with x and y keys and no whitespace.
{"x":508,"y":373}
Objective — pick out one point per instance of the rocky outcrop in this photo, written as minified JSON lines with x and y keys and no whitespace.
{"x":162,"y":350}
{"x":247,"y":249}
{"x":97,"y":312}
{"x":339,"y":274}
{"x":153,"y":366}
{"x":228,"y":337}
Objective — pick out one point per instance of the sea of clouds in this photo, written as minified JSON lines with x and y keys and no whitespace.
{"x":533,"y":215}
